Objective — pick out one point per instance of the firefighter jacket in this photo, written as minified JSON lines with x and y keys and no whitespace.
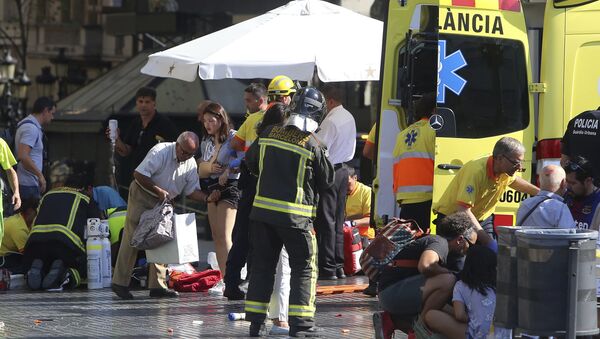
{"x":414,"y":162}
{"x":292,"y":168}
{"x":62,"y":216}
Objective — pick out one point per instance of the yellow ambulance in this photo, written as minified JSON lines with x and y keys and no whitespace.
{"x":475,"y":55}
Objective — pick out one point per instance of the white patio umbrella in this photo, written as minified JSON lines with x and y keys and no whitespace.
{"x":291,"y":40}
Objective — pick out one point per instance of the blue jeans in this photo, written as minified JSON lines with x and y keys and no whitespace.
{"x":29,"y":192}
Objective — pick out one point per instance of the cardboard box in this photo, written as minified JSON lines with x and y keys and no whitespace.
{"x":184,"y":248}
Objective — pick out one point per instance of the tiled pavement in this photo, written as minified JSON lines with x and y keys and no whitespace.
{"x":99,"y":314}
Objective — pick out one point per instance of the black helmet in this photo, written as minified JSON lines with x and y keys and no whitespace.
{"x":308,"y":102}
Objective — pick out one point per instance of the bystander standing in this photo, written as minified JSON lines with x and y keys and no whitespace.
{"x":31,"y":148}
{"x":338,"y":133}
{"x":146,"y":130}
{"x":167,"y":171}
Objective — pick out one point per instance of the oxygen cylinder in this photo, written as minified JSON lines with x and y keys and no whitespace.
{"x":94,"y":263}
{"x":106,"y":256}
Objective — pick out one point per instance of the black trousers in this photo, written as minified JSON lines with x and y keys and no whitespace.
{"x":241,"y":246}
{"x":49,"y":251}
{"x":14,"y":263}
{"x":329,"y":224}
{"x":301,"y":246}
{"x":419,"y":212}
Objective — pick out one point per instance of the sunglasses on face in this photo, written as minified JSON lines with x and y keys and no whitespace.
{"x":573,"y":166}
{"x":518,"y":164}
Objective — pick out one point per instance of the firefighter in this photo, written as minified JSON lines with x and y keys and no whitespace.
{"x":292,"y":168}
{"x":280,"y":89}
{"x":55,"y":249}
{"x":413,"y":165}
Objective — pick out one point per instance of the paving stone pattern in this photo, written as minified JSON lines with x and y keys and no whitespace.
{"x":99,"y":314}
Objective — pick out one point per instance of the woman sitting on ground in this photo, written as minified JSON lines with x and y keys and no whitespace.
{"x":473,"y":300}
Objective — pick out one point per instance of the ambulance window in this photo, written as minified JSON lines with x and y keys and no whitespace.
{"x":495,"y":99}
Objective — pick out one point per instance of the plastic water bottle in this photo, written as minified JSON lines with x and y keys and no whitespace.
{"x":236,"y":316}
{"x":211,"y":259}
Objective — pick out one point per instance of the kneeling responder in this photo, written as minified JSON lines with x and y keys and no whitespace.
{"x":55,"y":251}
{"x":293,"y":168}
{"x":116,"y":224}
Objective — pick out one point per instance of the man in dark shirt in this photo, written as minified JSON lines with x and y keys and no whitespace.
{"x":148,"y":129}
{"x":424,"y":280}
{"x":582,"y":138}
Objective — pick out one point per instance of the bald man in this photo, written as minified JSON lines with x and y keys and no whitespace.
{"x":547,"y":208}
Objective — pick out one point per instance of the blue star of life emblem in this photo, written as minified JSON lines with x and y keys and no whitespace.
{"x":447,"y":67}
{"x":470,"y":189}
{"x":411,"y":138}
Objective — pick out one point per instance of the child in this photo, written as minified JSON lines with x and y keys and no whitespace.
{"x":474,"y":299}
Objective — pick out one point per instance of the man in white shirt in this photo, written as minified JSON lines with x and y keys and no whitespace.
{"x":168,"y":170}
{"x":338,"y":133}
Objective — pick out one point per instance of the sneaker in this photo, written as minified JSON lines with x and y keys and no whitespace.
{"x":218,"y":289}
{"x":55,"y":276}
{"x":383,"y":325}
{"x":34,"y":275}
{"x":278,"y":330}
{"x":65,"y":283}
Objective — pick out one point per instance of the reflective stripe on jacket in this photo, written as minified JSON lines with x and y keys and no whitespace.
{"x":62,"y":217}
{"x":414,"y":162}
{"x":292,"y":166}
{"x":116,"y":222}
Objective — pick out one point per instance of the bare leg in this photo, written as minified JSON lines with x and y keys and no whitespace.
{"x":437,"y":291}
{"x":221,"y":218}
{"x":445,"y":324}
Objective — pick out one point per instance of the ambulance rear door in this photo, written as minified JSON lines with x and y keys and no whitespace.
{"x":409,"y":70}
{"x":569,"y":71}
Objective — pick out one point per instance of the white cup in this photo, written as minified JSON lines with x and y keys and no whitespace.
{"x":112,"y":127}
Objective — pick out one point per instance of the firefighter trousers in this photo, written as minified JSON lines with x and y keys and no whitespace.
{"x":301,"y":246}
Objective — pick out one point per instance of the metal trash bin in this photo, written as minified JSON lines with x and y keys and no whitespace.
{"x":557,"y":281}
{"x":506,"y":314}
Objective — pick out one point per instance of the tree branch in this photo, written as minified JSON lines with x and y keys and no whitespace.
{"x":9,"y":38}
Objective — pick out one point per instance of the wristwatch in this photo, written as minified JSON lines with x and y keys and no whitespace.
{"x":353,"y":223}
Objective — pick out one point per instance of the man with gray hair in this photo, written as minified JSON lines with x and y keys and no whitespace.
{"x":168,"y":170}
{"x":479,"y":184}
{"x":548,"y":208}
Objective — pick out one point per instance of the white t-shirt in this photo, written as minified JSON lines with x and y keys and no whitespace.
{"x":338,"y":133}
{"x":161,"y":165}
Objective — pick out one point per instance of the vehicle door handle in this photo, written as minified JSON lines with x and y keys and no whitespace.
{"x":448,"y":167}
